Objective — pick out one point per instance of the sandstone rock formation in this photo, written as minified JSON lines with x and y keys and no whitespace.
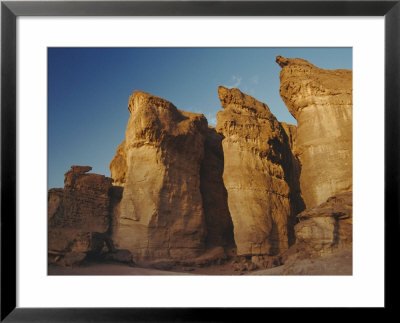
{"x":118,"y":166}
{"x":321,"y":102}
{"x":327,"y":227}
{"x":258,"y":173}
{"x":79,"y":215}
{"x":161,"y":212}
{"x":323,"y":239}
{"x":183,"y":194}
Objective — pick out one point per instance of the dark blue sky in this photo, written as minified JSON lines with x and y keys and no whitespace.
{"x":88,"y":91}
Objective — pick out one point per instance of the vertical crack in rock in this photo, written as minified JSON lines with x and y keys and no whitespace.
{"x":258,"y":174}
{"x":215,"y":200}
{"x":321,"y":102}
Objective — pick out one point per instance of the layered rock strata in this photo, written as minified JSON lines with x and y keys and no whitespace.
{"x":161,"y":212}
{"x":79,"y":214}
{"x":321,"y":102}
{"x":258,"y":173}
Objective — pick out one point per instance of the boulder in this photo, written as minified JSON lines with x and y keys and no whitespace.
{"x":72,"y":258}
{"x":326,"y":228}
{"x":122,"y":255}
{"x":161,"y":212}
{"x":321,"y":101}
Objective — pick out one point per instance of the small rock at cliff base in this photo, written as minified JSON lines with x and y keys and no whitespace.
{"x":122,"y":255}
{"x":323,"y":230}
{"x":327,"y":227}
{"x":73,"y":258}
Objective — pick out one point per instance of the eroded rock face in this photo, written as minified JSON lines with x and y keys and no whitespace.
{"x":79,"y":215}
{"x":258,"y":172}
{"x":327,"y":227}
{"x":161,"y":212}
{"x":118,"y":166}
{"x":323,"y":231}
{"x":321,"y":102}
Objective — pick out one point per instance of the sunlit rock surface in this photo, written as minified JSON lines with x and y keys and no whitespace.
{"x":321,"y":101}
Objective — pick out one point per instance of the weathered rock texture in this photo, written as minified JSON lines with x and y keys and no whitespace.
{"x":323,"y":232}
{"x":161,"y":211}
{"x":215,"y":200}
{"x":328,"y":227}
{"x":118,"y":166}
{"x":321,"y":102}
{"x":258,"y":174}
{"x":79,"y":215}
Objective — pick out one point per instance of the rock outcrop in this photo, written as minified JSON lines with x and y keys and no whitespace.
{"x":258,"y":173}
{"x":161,"y":212}
{"x":321,"y":102}
{"x":79,"y":214}
{"x":118,"y":166}
{"x":328,"y":227}
{"x":183,"y":194}
{"x":323,"y":232}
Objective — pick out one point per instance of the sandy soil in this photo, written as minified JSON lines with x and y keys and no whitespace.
{"x":94,"y":268}
{"x":340,"y":263}
{"x":106,"y":269}
{"x":336,"y":264}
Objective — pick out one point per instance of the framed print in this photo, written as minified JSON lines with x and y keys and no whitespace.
{"x":179,"y":229}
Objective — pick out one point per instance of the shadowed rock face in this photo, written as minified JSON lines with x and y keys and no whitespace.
{"x":161,"y":211}
{"x":79,"y":215}
{"x":215,"y":200}
{"x":321,"y":102}
{"x":258,"y":173}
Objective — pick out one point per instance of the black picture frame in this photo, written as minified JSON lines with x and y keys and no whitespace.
{"x":10,"y":10}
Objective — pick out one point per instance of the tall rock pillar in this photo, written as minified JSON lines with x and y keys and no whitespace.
{"x":161,"y":213}
{"x":258,"y":170}
{"x":321,"y":101}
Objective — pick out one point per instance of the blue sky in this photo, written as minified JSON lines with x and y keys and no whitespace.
{"x":88,"y":91}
